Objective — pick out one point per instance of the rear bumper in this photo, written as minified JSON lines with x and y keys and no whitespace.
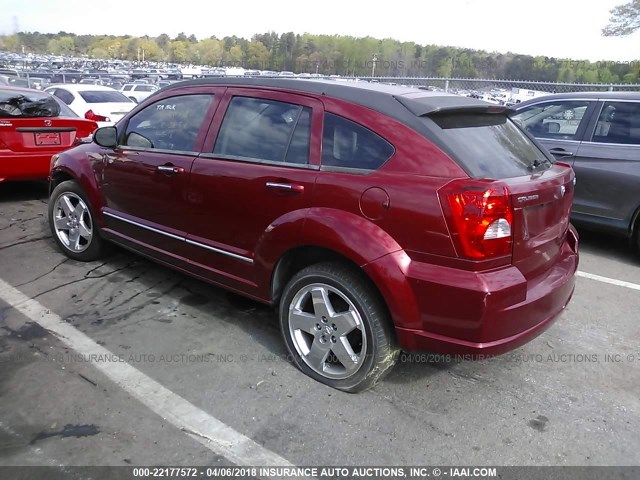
{"x":22,"y":166}
{"x":459,"y":312}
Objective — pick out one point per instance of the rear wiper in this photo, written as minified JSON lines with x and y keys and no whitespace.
{"x":536,"y":163}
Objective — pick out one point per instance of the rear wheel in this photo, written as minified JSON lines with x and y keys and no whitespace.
{"x":337,"y":328}
{"x":72,"y":223}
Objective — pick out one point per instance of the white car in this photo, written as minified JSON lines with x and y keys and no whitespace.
{"x":138,"y":91}
{"x":103,"y":105}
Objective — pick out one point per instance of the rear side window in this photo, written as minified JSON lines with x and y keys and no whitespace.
{"x":106,"y":96}
{"x":489,"y":145}
{"x":619,"y":122}
{"x":347,"y":144}
{"x":169,"y":124}
{"x":126,"y":88}
{"x":262,"y":129}
{"x":27,"y":104}
{"x":145,"y":88}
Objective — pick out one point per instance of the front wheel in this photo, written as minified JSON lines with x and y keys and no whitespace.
{"x":337,"y":328}
{"x":73,"y":224}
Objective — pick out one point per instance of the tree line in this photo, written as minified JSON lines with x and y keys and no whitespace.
{"x":324,"y":54}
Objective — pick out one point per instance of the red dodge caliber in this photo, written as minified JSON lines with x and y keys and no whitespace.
{"x":375,"y":217}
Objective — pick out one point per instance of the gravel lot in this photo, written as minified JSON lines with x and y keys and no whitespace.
{"x":570,"y":397}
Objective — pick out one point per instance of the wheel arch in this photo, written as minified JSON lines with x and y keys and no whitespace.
{"x":369,"y":251}
{"x":83,"y":176}
{"x":298,"y":258}
{"x":634,"y":228}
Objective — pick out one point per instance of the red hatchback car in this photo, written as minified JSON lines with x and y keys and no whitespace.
{"x":33,"y":127}
{"x":375,"y":217}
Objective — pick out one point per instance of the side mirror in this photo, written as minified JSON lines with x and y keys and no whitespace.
{"x":106,"y":137}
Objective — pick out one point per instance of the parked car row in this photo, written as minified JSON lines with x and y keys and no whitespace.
{"x":375,"y":217}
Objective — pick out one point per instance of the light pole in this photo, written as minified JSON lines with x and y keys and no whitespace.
{"x":374,"y":57}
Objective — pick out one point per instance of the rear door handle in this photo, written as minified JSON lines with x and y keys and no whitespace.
{"x":171,"y":169}
{"x":561,"y":152}
{"x":287,"y":187}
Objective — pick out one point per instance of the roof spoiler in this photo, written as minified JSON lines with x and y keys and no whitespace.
{"x":427,"y":105}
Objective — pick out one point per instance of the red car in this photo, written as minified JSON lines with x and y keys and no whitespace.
{"x":33,"y":127}
{"x":375,"y":217}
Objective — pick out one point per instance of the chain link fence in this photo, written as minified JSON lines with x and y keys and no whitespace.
{"x":504,"y":92}
{"x":498,"y":91}
{"x":485,"y":85}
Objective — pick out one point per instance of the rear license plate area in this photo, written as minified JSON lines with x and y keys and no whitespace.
{"x":47,"y":138}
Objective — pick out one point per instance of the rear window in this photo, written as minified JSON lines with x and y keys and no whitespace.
{"x":103,"y":96}
{"x":490,"y":145}
{"x":27,"y":104}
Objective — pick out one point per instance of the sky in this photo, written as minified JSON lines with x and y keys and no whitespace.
{"x":568,"y":29}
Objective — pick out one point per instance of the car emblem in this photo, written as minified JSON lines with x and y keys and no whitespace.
{"x":47,"y":123}
{"x":563,"y":189}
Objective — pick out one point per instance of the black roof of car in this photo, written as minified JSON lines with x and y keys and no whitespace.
{"x":399,"y":102}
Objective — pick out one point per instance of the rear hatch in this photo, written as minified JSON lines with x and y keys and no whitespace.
{"x":30,"y":122}
{"x":516,"y":203}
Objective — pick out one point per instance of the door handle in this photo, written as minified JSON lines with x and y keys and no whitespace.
{"x":171,"y":169}
{"x":287,"y":187}
{"x":562,"y":152}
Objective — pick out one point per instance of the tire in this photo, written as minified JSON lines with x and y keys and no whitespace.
{"x":72,"y":223}
{"x":337,"y":328}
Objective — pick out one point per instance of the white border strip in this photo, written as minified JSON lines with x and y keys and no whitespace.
{"x":206,"y":429}
{"x":612,"y":281}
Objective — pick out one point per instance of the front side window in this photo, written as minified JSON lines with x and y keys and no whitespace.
{"x":262,"y":129}
{"x":619,"y":122}
{"x":169,"y":124}
{"x":347,"y":144}
{"x":555,"y":120}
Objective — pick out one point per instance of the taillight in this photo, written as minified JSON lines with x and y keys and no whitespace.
{"x":90,"y":115}
{"x":480,"y":218}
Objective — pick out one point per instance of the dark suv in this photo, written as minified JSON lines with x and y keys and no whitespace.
{"x":375,"y":217}
{"x":598,"y":134}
